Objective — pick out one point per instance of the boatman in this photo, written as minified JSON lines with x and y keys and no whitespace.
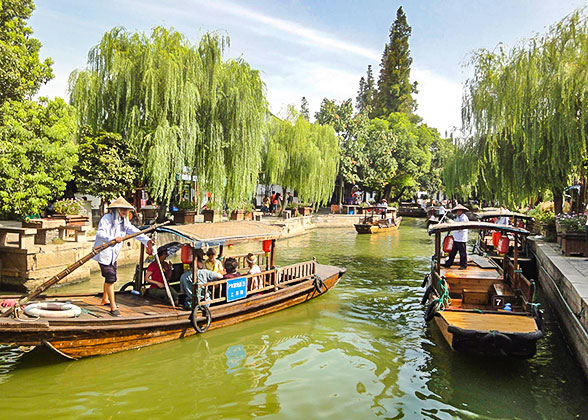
{"x":114,"y":225}
{"x":460,"y":240}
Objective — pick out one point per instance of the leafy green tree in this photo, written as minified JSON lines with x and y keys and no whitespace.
{"x":350,"y":129}
{"x":21,"y":72}
{"x":107,"y":166}
{"x":37,"y":154}
{"x":179,"y":105}
{"x":304,"y":111}
{"x":394,"y":87}
{"x":304,"y":157}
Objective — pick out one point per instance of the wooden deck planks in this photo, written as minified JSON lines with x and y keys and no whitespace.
{"x":486,"y":322}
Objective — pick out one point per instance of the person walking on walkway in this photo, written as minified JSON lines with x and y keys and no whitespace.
{"x":460,"y":240}
{"x":114,"y":225}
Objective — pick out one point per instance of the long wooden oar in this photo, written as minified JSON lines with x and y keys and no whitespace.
{"x":40,"y":289}
{"x":171,"y":300}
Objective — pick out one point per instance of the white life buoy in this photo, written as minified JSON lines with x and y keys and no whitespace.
{"x":53,"y":310}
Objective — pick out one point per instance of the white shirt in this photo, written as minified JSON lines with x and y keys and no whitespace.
{"x":462,"y":234}
{"x":108,"y":229}
{"x":442,"y":210}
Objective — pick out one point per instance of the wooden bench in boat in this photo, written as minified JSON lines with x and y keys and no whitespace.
{"x":26,"y":236}
{"x":501,"y":294}
{"x":507,"y":323}
{"x":481,"y":261}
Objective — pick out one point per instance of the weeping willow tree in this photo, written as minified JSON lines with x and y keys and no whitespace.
{"x":526,"y":110}
{"x":180,"y":105}
{"x":303,"y":157}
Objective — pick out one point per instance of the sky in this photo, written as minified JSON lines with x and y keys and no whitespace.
{"x":317,"y":49}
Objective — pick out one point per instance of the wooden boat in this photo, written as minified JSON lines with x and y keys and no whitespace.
{"x":146,"y":321}
{"x":485,"y":243}
{"x":378,"y":220}
{"x":470,"y":306}
{"x":411,"y":210}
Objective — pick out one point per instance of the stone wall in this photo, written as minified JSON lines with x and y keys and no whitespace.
{"x":23,"y":269}
{"x":565,"y":282}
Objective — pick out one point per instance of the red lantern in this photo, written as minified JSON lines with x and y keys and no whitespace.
{"x":267,"y":246}
{"x":448,"y":243}
{"x":503,"y":244}
{"x":149,"y":248}
{"x":187,"y":255}
{"x":495,"y":238}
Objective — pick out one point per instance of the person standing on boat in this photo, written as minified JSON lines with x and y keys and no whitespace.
{"x":114,"y":225}
{"x":460,"y":240}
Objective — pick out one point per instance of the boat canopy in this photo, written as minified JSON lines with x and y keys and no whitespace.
{"x":497,"y":213}
{"x":374,"y":208}
{"x":215,"y":234}
{"x":446,"y":227}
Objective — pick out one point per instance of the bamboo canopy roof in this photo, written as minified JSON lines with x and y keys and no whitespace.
{"x":488,"y":214}
{"x":388,"y":209}
{"x":445,"y":227}
{"x":223,"y":233}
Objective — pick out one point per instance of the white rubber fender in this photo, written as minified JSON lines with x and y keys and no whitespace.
{"x":53,"y":310}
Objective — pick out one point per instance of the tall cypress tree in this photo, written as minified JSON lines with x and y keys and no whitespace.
{"x":394,"y":87}
{"x":304,"y":111}
{"x":366,"y":95}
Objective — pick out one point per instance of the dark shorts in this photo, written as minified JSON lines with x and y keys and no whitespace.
{"x":108,"y":272}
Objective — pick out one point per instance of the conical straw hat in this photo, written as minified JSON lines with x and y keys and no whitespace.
{"x":120,"y":203}
{"x":459,"y":207}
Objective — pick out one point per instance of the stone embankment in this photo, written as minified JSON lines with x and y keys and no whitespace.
{"x":565,"y":283}
{"x":23,"y":268}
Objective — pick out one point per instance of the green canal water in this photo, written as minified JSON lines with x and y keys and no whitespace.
{"x":361,"y":351}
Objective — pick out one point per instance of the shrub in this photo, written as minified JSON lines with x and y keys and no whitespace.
{"x":69,"y":206}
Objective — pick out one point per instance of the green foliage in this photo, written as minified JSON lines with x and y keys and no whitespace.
{"x":21,"y":72}
{"x":37,"y":154}
{"x":186,"y":205}
{"x":527,"y":112}
{"x":179,"y":105}
{"x":70,"y":206}
{"x":543,"y":214}
{"x":303,"y":157}
{"x":351,"y":130}
{"x":107,"y":165}
{"x":394,"y":87}
{"x":572,"y":222}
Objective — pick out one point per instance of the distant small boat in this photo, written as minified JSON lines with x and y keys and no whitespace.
{"x":378,"y":220}
{"x":485,"y":309}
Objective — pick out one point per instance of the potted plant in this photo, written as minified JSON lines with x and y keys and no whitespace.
{"x":211,"y":213}
{"x":304,"y":209}
{"x":244,"y":212}
{"x":293,"y":207}
{"x":363,"y":205}
{"x":71,"y":210}
{"x":573,"y":237}
{"x":185,"y":212}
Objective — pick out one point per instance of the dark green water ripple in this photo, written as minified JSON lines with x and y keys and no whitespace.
{"x":361,"y":351}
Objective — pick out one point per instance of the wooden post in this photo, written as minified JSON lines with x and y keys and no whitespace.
{"x":438,"y":252}
{"x":273,"y":254}
{"x":139,"y":279}
{"x":515,"y":266}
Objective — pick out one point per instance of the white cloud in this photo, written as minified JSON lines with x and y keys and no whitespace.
{"x":439,"y":100}
{"x":295,"y":60}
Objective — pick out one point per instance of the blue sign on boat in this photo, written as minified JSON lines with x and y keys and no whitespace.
{"x":236,"y":288}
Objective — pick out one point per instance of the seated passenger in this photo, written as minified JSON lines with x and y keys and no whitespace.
{"x":231,"y":265}
{"x":155,"y":279}
{"x":203,"y":275}
{"x":255,"y":282}
{"x":212,"y":263}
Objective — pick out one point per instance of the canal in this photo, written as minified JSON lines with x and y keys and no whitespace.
{"x":361,"y":351}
